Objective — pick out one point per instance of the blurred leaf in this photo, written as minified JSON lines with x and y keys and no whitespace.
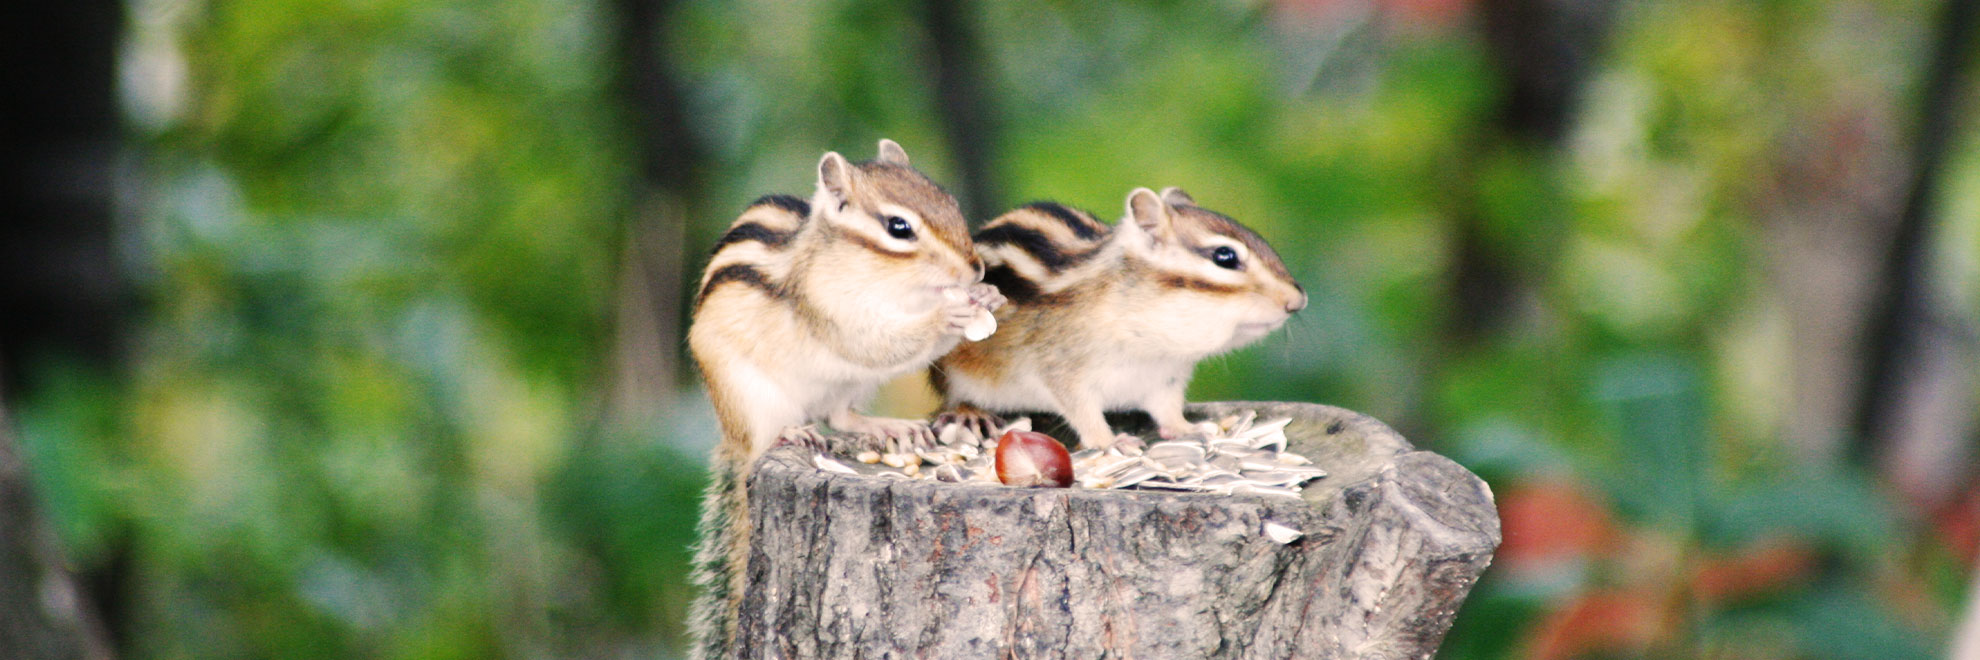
{"x":1841,"y":510}
{"x":1845,"y":624}
{"x":632,"y":506}
{"x":1656,"y":404}
{"x":70,"y":439}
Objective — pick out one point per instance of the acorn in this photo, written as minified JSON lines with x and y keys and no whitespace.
{"x":1027,"y":458}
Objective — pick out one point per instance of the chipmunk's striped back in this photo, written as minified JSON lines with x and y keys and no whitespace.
{"x":756,"y":240}
{"x":1030,"y":249}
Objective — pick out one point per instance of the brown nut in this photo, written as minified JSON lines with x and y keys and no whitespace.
{"x":1028,"y":458}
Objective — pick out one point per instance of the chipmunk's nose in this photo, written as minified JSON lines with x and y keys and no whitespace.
{"x":1298,"y":303}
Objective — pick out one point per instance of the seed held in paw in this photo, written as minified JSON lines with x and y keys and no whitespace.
{"x":981,"y":327}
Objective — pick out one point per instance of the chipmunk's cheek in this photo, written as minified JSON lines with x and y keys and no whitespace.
{"x":955,"y":274}
{"x":921,"y":300}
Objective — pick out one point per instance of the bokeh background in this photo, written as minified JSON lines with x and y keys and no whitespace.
{"x":352,"y":328}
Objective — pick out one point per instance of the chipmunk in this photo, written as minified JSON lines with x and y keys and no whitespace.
{"x":1110,"y":319}
{"x":804,"y":310}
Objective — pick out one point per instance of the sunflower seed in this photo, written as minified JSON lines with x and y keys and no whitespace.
{"x":1134,"y":476}
{"x":1232,"y":424}
{"x":1273,"y":478}
{"x":1259,"y":464}
{"x":1224,"y":445}
{"x":1174,"y":450}
{"x":1270,"y":491}
{"x":981,"y":326}
{"x":1219,"y":480}
{"x":829,"y":465}
{"x":1264,"y":428}
{"x":1158,"y":484}
{"x":1118,"y":466}
{"x":1281,"y":533}
{"x":1232,"y":455}
{"x":956,"y":435}
{"x":948,"y":472}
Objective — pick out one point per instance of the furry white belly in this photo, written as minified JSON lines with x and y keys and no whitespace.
{"x":1028,"y":393}
{"x":787,"y":397}
{"x":1117,"y":389}
{"x":821,"y":382}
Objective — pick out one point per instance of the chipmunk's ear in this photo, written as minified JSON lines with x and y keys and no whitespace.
{"x":835,"y":175}
{"x":1176,"y":197}
{"x":1147,"y":214}
{"x":891,"y":152}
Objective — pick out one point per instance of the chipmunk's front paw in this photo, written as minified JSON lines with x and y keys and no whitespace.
{"x":957,"y":309}
{"x":967,"y":310}
{"x":985,"y":296}
{"x":983,"y":423}
{"x":806,"y":436}
{"x":1120,"y":440}
{"x":894,"y":436}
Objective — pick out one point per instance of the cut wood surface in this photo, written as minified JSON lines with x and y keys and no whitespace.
{"x":863,"y":566}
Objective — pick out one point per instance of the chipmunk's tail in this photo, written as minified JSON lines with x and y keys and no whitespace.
{"x":719,"y":558}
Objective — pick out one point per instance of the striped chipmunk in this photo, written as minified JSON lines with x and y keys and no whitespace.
{"x":1107,"y":319}
{"x":805,"y":309}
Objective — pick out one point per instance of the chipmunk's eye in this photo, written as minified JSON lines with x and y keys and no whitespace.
{"x":1225,"y":256}
{"x":899,"y":228}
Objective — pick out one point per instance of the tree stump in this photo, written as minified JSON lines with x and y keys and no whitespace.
{"x":859,"y":566}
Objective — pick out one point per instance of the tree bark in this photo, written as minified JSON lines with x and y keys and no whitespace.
{"x":65,"y":303}
{"x":652,"y":270}
{"x":1542,"y":51}
{"x":966,"y":111}
{"x":62,"y":296}
{"x":1911,"y":398}
{"x":866,"y":566}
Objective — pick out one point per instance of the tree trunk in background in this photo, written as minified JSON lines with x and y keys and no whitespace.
{"x":964,"y":109}
{"x":61,"y":294}
{"x":63,"y":298}
{"x":1542,"y":50}
{"x":651,"y":304}
{"x":1915,"y":407}
{"x":1846,"y":225}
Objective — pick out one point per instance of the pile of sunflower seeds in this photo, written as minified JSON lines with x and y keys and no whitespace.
{"x":1235,"y":455}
